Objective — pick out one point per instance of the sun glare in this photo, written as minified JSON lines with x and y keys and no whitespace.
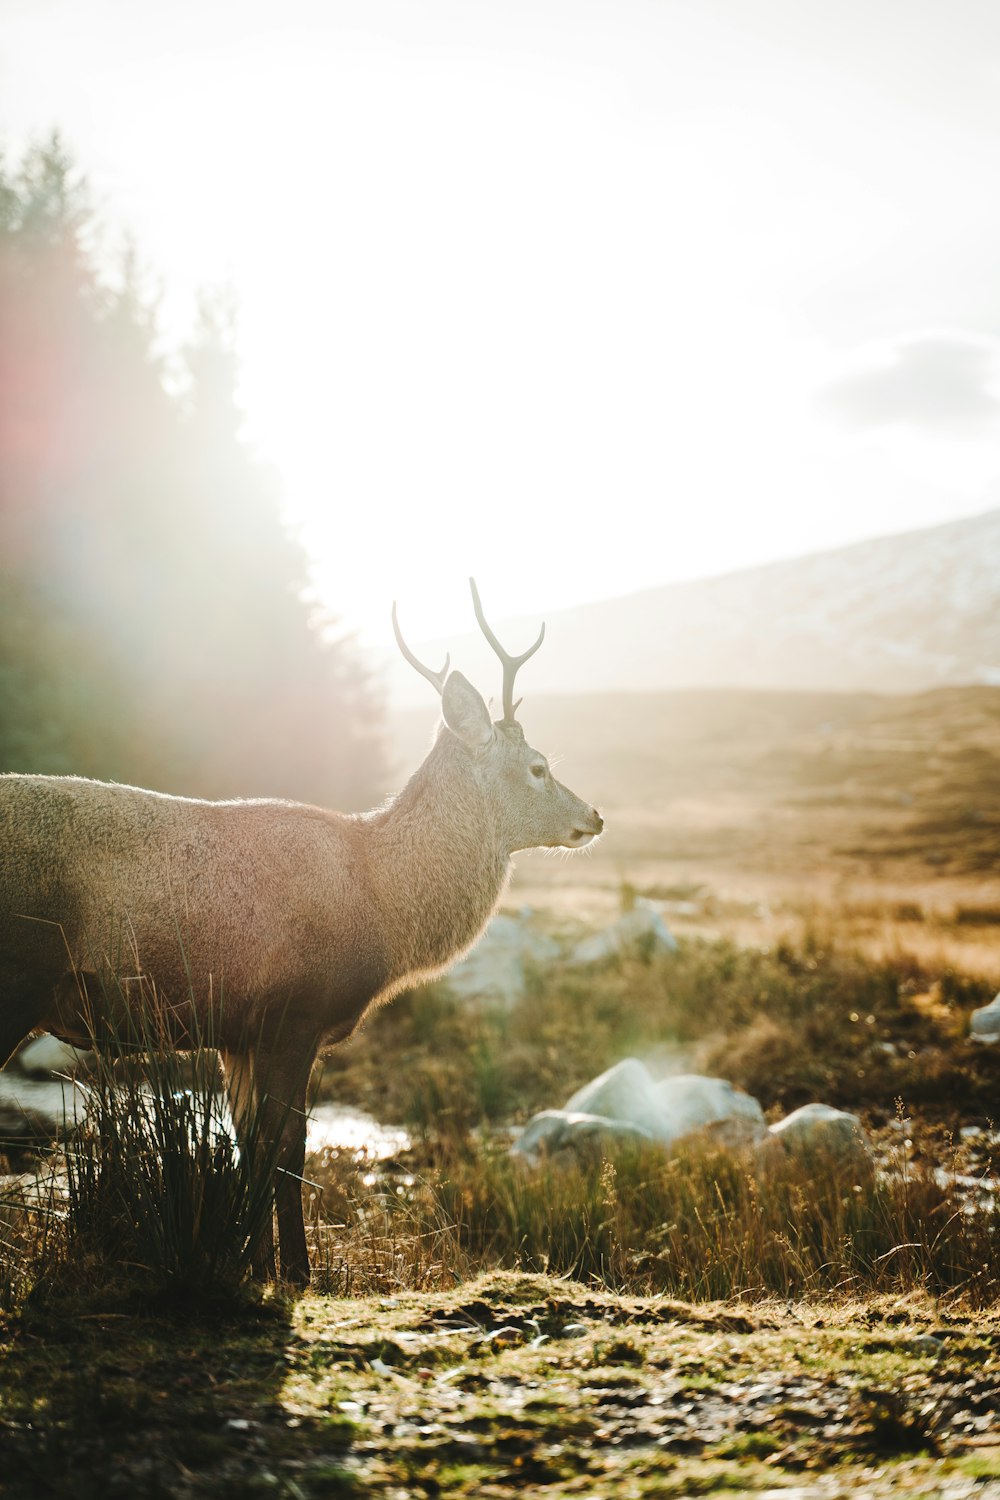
{"x":551,"y":298}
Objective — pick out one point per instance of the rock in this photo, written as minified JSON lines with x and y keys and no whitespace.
{"x":624,"y":1102}
{"x":820,"y":1127}
{"x":507,"y":1337}
{"x":984,"y":1024}
{"x":560,"y":1129}
{"x":670,"y":1109}
{"x":692,"y":1103}
{"x":45,"y":1055}
{"x":639,"y":930}
{"x":496,"y":968}
{"x":926,"y":1343}
{"x":626,"y":1093}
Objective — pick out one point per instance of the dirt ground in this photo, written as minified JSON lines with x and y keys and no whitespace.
{"x":509,"y":1385}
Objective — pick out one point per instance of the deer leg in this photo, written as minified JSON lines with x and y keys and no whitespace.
{"x":284,"y":1105}
{"x":246,"y":1109}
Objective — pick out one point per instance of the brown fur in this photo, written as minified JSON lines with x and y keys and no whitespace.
{"x":269,"y":927}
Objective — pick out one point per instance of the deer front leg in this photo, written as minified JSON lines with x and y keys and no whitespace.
{"x":246,"y":1109}
{"x":288,"y":1190}
{"x":282,"y":1081}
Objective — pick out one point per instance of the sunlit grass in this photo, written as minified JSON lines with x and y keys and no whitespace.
{"x":154,"y":1192}
{"x":789,"y":1025}
{"x":700,"y":1223}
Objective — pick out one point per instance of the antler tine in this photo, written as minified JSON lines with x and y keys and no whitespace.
{"x":510,"y":663}
{"x":437,"y":678}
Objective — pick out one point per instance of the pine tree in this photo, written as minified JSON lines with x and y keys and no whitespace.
{"x":153,"y":619}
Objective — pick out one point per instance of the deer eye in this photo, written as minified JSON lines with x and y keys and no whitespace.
{"x":538,"y":771}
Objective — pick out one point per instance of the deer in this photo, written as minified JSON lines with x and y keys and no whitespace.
{"x":271,"y":926}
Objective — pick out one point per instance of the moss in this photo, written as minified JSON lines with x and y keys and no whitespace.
{"x":682,"y":1399}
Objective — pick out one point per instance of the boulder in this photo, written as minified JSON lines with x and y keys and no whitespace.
{"x":625,"y":1093}
{"x":46,"y":1055}
{"x":625,"y":1101}
{"x":496,"y":968}
{"x":670,"y":1109}
{"x":691,"y":1102}
{"x":820,"y":1127}
{"x":563,"y":1129}
{"x":641,"y":929}
{"x":984,"y":1024}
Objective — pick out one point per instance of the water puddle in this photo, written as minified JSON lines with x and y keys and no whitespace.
{"x":338,"y":1127}
{"x":40,"y":1110}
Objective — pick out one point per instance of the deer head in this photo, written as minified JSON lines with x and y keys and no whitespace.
{"x":530,"y":809}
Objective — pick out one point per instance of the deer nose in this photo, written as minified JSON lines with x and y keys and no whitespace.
{"x":597,"y":819}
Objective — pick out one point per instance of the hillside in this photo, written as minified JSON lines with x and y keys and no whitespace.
{"x":774,"y":799}
{"x":895,"y":614}
{"x":928,"y":760}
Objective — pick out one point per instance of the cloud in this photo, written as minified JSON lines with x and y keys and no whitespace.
{"x":947,"y":382}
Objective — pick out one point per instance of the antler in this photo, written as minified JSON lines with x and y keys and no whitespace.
{"x":510,"y":663}
{"x":437,"y":678}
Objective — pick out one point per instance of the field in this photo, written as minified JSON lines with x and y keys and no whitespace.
{"x":633,"y":1323}
{"x":509,"y":1385}
{"x":760,"y":815}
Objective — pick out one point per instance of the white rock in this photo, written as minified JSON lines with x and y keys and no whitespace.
{"x":45,"y":1055}
{"x":691,"y":1102}
{"x":821,"y":1127}
{"x":625,"y":1092}
{"x":625,"y":1101}
{"x":496,"y":967}
{"x":561,"y":1129}
{"x":640,"y":929}
{"x":984,"y":1024}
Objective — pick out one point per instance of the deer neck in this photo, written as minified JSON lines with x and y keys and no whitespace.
{"x":438,"y":864}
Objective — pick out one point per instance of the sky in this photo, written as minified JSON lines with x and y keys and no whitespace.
{"x":577,"y":297}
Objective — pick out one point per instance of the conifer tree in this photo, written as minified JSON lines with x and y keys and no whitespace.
{"x":153,"y":620}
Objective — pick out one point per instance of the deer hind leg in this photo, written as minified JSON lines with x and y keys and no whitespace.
{"x":245,"y":1108}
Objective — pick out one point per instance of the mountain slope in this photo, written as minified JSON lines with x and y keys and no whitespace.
{"x":898,"y":613}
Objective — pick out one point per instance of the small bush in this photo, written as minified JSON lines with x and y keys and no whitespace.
{"x":153,"y":1191}
{"x":157,"y":1190}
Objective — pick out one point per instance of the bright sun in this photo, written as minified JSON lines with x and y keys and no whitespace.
{"x":545,"y":295}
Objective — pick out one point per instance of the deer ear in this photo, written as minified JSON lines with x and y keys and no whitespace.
{"x":465,"y":713}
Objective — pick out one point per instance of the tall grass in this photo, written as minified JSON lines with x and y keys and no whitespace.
{"x":788,"y":1025}
{"x":703,"y":1223}
{"x":152,"y":1191}
{"x":157,"y":1189}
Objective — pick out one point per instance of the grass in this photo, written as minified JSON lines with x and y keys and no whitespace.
{"x":702,"y":1223}
{"x":636,"y":1324}
{"x":154,"y":1191}
{"x":157,"y":1191}
{"x":505,"y":1385}
{"x":788,"y":1024}
{"x":152,"y":1195}
{"x":887,"y":1038}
